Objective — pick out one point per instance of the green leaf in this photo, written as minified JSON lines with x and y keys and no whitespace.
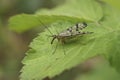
{"x":40,"y":61}
{"x":114,"y":3}
{"x":73,"y":10}
{"x":79,"y":9}
{"x":101,"y":71}
{"x":112,"y":22}
{"x":23,"y":22}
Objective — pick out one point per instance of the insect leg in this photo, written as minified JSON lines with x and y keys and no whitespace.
{"x":53,"y":40}
{"x":55,"y":48}
{"x":63,"y":47}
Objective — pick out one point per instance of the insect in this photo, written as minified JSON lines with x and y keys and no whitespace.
{"x":69,"y":33}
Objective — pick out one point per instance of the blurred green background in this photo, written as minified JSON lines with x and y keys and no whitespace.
{"x":13,"y":45}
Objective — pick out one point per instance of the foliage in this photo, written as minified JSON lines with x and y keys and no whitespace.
{"x":101,"y":71}
{"x":40,"y":61}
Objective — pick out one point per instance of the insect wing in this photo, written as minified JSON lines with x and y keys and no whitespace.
{"x":73,"y":30}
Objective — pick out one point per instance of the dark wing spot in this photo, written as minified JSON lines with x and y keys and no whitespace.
{"x":85,"y":24}
{"x":69,"y":29}
{"x":77,"y":26}
{"x":84,"y":33}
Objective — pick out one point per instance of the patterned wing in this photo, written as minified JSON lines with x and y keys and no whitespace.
{"x":75,"y":30}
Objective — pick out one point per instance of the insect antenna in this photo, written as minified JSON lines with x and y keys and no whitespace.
{"x":55,"y":48}
{"x":45,"y":26}
{"x":50,"y":33}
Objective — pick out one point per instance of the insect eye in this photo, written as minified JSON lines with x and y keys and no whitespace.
{"x":85,"y":24}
